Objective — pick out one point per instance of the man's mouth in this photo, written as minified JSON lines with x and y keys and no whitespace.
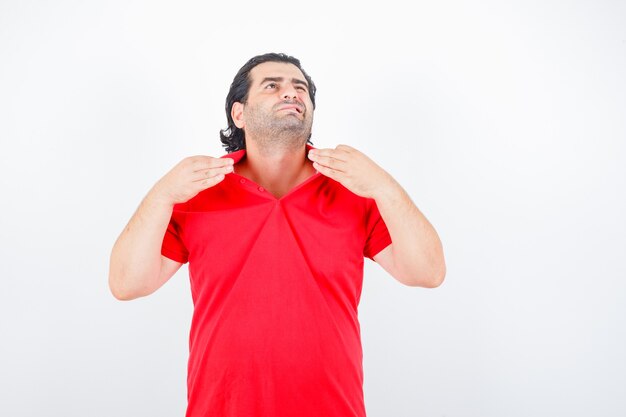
{"x":292,"y":107}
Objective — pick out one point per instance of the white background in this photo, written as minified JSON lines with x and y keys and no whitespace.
{"x":505,"y":121}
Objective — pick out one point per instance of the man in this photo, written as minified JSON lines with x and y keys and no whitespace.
{"x":275,"y":233}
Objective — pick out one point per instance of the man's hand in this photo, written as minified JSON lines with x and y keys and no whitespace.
{"x":352,"y":169}
{"x":137,"y":267}
{"x":190,"y":176}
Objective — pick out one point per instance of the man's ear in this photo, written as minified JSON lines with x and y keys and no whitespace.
{"x":236,"y":112}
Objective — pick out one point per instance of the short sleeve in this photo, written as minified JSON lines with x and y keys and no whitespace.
{"x":378,"y":237}
{"x":173,"y":246}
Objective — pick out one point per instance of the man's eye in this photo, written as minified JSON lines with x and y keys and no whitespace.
{"x":271,"y":85}
{"x":301,"y":88}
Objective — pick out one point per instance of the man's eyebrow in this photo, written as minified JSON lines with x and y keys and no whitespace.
{"x":298,"y":81}
{"x":281,"y":79}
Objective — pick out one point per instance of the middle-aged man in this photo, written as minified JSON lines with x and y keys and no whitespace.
{"x":275,"y":233}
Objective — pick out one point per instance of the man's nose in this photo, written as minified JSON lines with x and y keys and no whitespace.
{"x":289,"y":92}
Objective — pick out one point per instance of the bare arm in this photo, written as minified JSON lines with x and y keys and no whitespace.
{"x":137,"y":267}
{"x":415,"y":257}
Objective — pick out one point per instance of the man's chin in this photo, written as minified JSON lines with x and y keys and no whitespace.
{"x":291,"y":133}
{"x":291,"y":123}
{"x":285,"y":129}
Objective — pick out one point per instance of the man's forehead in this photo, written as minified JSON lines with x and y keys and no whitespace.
{"x":275,"y":69}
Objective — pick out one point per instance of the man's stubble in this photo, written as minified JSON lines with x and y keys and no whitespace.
{"x":272,"y":130}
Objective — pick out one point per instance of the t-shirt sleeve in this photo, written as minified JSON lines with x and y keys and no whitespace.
{"x":378,"y":237}
{"x":173,"y":246}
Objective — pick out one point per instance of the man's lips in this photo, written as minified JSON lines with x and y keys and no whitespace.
{"x":291,"y":107}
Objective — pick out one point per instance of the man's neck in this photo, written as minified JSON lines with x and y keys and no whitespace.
{"x":278,"y":170}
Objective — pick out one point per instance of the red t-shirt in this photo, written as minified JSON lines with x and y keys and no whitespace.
{"x":275,"y":284}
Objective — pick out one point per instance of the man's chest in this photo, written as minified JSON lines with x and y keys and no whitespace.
{"x":327,"y":241}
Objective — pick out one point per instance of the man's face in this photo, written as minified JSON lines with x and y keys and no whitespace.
{"x":278,"y":107}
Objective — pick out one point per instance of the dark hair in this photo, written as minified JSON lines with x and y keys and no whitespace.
{"x":233,"y":138}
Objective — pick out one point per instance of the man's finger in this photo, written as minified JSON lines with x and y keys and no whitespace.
{"x":204,"y":164}
{"x":329,"y":172}
{"x":329,"y":162}
{"x":333,"y":153}
{"x":212,"y":172}
{"x":345,"y":148}
{"x":210,"y":182}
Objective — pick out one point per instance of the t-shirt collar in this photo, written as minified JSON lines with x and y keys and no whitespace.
{"x":237,"y":155}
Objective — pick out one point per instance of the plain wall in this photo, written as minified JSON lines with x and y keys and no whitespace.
{"x":505,"y":122}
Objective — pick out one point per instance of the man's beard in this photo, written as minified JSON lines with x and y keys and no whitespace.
{"x":271,"y":130}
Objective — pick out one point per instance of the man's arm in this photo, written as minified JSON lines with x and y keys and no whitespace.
{"x":137,"y":267}
{"x":415,"y":257}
